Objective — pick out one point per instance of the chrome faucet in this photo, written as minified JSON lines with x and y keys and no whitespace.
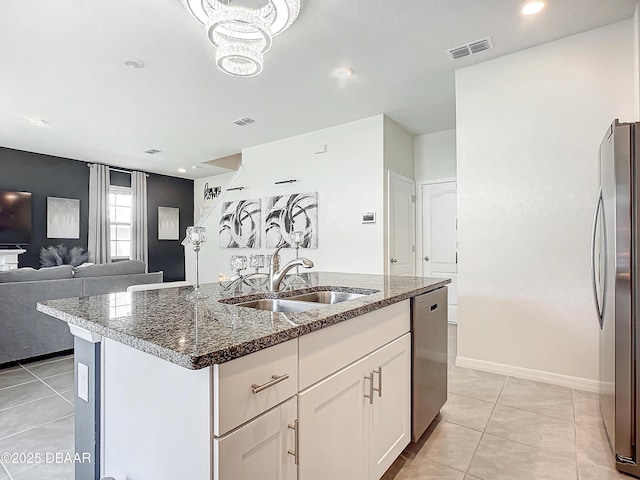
{"x":276,"y":275}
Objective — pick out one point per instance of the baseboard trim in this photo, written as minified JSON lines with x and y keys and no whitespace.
{"x":529,"y":374}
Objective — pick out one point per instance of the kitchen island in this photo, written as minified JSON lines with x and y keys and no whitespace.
{"x":211,"y":389}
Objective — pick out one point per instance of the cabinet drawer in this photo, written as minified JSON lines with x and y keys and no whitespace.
{"x":247,"y":386}
{"x":326,"y":351}
{"x":259,"y":449}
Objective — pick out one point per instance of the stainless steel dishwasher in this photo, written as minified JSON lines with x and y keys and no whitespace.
{"x":428,"y":358}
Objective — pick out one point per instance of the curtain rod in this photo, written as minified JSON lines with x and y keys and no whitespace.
{"x":117,"y":169}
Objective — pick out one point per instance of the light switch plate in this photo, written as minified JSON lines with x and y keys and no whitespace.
{"x":83,"y":381}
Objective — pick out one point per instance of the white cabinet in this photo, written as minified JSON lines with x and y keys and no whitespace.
{"x":391,"y":409}
{"x":260,"y":449}
{"x":247,"y":386}
{"x":334,"y":426}
{"x":355,"y":423}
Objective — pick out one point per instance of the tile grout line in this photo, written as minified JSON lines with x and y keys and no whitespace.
{"x":19,"y":384}
{"x":519,"y":442}
{"x":444,"y":465}
{"x":26,"y":403}
{"x":49,"y":386}
{"x":495,"y":404}
{"x":19,"y":368}
{"x":46,"y":362}
{"x":10,"y":477}
{"x":37,"y":426}
{"x":520,"y":409}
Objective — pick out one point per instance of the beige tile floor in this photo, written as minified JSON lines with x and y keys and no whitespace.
{"x":492,"y":428}
{"x":503,"y":428}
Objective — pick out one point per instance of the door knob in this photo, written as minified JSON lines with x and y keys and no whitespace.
{"x":426,"y":259}
{"x":394,"y":260}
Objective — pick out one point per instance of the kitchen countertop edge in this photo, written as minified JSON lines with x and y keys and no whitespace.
{"x":196,"y":362}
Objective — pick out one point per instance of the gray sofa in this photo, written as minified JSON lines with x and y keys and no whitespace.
{"x":27,"y":333}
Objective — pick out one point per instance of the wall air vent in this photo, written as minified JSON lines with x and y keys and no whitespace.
{"x":244,"y":121}
{"x":152,"y":151}
{"x":470,"y":48}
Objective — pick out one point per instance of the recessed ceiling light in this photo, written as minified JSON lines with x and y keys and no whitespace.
{"x":343,"y":72}
{"x":196,"y":167}
{"x":132,"y":62}
{"x":38,"y":122}
{"x":182,"y":170}
{"x":531,"y":8}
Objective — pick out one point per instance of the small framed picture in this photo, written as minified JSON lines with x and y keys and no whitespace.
{"x":168,"y":223}
{"x":369,"y":217}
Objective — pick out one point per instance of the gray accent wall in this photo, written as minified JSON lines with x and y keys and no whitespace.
{"x":48,"y":176}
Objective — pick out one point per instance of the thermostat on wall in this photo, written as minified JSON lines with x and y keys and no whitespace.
{"x":369,"y":217}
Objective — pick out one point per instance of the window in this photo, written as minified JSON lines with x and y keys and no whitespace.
{"x":120,"y":222}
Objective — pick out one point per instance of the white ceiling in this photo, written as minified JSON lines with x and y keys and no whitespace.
{"x":62,"y":62}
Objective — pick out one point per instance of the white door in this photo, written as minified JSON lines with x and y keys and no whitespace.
{"x":390,"y":412}
{"x":401,"y":234}
{"x":439,"y":237}
{"x":334,"y":427}
{"x":260,"y":449}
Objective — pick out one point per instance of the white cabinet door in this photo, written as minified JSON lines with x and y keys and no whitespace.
{"x":259,"y":449}
{"x":391,"y":409}
{"x":334,"y":426}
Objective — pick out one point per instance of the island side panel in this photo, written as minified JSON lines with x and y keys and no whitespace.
{"x":87,"y":408}
{"x":157,"y":417}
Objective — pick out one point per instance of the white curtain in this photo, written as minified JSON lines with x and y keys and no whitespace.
{"x":139,"y":237}
{"x":99,"y":248}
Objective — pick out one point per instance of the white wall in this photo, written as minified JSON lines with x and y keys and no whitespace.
{"x":434,"y":159}
{"x":398,"y":149}
{"x":435,"y":155}
{"x":528,"y":129}
{"x":199,"y":203}
{"x":348,"y":179}
{"x":398,"y":158}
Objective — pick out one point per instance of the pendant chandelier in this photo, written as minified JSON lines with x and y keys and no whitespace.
{"x":242,"y":30}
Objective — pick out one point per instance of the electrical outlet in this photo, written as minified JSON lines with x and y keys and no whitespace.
{"x":83,"y":381}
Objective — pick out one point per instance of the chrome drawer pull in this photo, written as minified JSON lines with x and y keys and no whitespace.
{"x":296,"y":442}
{"x":379,"y":389}
{"x":371,"y":389}
{"x":255,"y":388}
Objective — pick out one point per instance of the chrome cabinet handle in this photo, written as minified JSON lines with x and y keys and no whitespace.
{"x":379,"y":389}
{"x":426,"y":259}
{"x":394,"y":260}
{"x":370,"y":396}
{"x":296,"y":441}
{"x":255,"y":388}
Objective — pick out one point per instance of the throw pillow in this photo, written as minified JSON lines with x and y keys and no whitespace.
{"x":58,"y":255}
{"x":52,"y":256}
{"x":76,"y":256}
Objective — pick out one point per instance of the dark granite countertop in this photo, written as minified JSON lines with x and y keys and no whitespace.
{"x":195,"y":335}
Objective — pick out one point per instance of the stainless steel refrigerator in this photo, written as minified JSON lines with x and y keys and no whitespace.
{"x":615,"y":290}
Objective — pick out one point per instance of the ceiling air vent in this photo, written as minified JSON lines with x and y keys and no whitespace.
{"x":244,"y":121}
{"x":152,"y":151}
{"x":470,"y":48}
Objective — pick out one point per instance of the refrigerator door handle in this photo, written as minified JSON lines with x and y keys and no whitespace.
{"x":594,"y":233}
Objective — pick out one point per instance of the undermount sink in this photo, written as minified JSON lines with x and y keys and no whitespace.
{"x":279,"y":305}
{"x":327,"y":297}
{"x":302,"y":302}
